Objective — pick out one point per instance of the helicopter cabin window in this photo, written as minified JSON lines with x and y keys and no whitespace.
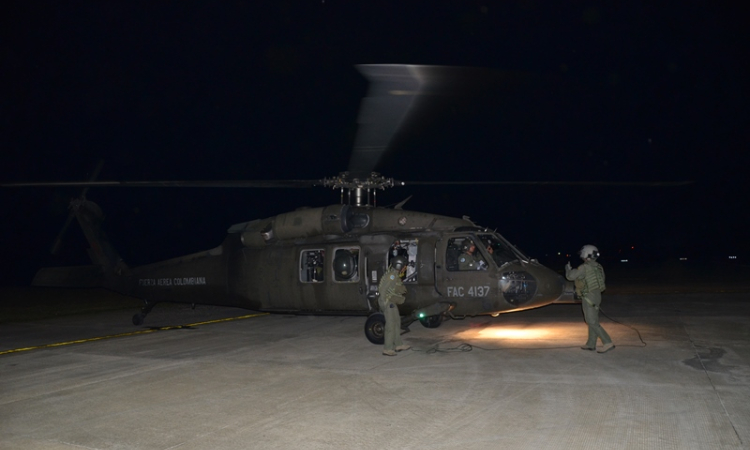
{"x":463,"y":255}
{"x":408,"y":249}
{"x":498,"y":250}
{"x":311,"y":266}
{"x":346,"y":265}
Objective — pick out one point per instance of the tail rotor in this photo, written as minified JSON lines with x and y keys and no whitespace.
{"x":57,"y":244}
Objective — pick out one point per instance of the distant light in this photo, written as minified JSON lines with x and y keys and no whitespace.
{"x":632,"y":247}
{"x":623,"y":260}
{"x":732,"y":257}
{"x":683,"y":259}
{"x":558,"y":253}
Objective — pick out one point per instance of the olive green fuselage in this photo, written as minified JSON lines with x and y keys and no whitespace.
{"x":327,"y":260}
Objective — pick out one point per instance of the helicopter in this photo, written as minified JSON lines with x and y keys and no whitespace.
{"x":328,"y":260}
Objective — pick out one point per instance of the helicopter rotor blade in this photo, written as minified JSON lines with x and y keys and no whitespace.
{"x":58,"y":240}
{"x":312,"y":183}
{"x":175,"y":183}
{"x":94,"y":176}
{"x":546,"y":183}
{"x":392,"y":90}
{"x":394,"y":99}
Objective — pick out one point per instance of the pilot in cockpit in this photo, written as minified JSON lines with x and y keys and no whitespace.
{"x":470,"y":259}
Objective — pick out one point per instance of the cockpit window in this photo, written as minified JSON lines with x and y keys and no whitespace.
{"x":462,"y":255}
{"x":499,"y":251}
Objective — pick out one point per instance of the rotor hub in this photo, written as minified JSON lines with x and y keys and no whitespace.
{"x":360,"y":191}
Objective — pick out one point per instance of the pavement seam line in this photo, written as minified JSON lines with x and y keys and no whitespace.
{"x":713,"y":386}
{"x":130,"y":333}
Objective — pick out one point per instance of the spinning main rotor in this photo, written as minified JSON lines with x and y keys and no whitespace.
{"x":392,"y":91}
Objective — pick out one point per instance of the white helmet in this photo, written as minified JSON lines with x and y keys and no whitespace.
{"x":589,"y":252}
{"x":398,"y":263}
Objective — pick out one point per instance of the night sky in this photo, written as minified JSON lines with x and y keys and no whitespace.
{"x":227,"y":90}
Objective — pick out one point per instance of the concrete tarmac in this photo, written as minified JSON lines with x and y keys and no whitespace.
{"x":679,"y":378}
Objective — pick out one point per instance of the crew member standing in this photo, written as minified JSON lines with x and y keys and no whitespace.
{"x":392,"y":292}
{"x":589,"y":282}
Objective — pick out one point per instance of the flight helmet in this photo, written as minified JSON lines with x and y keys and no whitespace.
{"x":467,"y":244}
{"x":398,"y":263}
{"x":589,"y":252}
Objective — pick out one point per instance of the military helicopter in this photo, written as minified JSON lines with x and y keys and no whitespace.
{"x":328,"y":260}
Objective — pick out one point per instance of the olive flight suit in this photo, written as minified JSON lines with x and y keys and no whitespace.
{"x":392,"y":292}
{"x":589,"y":283}
{"x":470,"y":261}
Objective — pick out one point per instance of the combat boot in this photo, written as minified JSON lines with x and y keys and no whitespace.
{"x":606,"y":348}
{"x":389,"y":353}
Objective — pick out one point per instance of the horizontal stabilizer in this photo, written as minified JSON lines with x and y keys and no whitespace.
{"x":75,"y":276}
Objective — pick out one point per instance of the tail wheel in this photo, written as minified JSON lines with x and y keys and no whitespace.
{"x":375,"y":328}
{"x":147,"y":307}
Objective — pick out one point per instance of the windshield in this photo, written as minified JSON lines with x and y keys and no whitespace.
{"x":500,"y":249}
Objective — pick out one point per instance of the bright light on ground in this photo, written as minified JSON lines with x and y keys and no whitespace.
{"x":520,"y":334}
{"x":500,"y":333}
{"x":507,"y":333}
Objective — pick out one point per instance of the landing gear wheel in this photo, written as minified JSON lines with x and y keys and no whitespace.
{"x":139,"y":317}
{"x":432,"y":321}
{"x":375,"y":328}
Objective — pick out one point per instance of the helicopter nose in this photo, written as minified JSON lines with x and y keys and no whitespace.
{"x":568,"y":294}
{"x":518,"y":287}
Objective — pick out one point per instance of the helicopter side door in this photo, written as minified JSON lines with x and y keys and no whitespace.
{"x":331,"y":278}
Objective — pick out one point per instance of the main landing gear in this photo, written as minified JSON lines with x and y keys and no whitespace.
{"x":375,"y":327}
{"x":139,"y":317}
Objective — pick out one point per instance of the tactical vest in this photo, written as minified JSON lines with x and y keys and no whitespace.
{"x":594,"y":277}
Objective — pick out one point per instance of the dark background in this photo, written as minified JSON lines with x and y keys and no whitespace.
{"x":577,"y":91}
